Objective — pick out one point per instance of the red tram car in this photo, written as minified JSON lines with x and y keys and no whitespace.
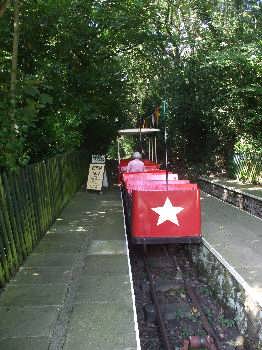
{"x":158,"y":207}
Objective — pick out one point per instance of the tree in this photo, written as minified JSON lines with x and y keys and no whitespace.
{"x":86,"y":66}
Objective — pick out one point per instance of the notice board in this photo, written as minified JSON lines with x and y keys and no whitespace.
{"x":95,"y":177}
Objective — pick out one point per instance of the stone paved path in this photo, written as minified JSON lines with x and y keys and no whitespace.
{"x":73,"y":292}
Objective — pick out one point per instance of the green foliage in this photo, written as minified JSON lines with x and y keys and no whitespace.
{"x":211,"y":77}
{"x":226,"y":322}
{"x":87,"y":68}
{"x":127,"y":145}
{"x":247,"y":145}
{"x":247,"y":162}
{"x":70,"y":77}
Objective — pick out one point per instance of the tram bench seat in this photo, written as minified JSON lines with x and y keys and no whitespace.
{"x":155,"y":185}
{"x":152,"y":175}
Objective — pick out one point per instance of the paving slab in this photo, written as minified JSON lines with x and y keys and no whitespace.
{"x":113,"y":247}
{"x":36,"y":294}
{"x":50,"y":259}
{"x":27,"y":322}
{"x":70,"y":236}
{"x":253,"y":275}
{"x":28,"y":343}
{"x":105,"y":229}
{"x":99,"y":264}
{"x":104,"y":288}
{"x":106,"y":235}
{"x":72,"y":228}
{"x":106,"y":327}
{"x":59,"y":245}
{"x":82,"y":204}
{"x":42,"y":275}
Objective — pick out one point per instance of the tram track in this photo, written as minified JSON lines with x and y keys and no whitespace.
{"x":172,"y":314}
{"x":162,"y":326}
{"x":211,"y":341}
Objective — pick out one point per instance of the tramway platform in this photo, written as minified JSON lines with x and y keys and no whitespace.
{"x":234,"y":232}
{"x":231,"y":259}
{"x":75,"y":290}
{"x":236,"y":235}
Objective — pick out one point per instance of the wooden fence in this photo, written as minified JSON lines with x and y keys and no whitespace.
{"x":30,"y":200}
{"x":248,"y":168}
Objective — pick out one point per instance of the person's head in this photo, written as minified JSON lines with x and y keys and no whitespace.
{"x":137,"y":155}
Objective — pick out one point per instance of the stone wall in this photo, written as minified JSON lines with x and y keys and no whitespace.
{"x":249,"y":203}
{"x":231,"y":291}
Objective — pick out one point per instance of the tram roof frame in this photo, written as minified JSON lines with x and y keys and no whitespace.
{"x":138,"y":131}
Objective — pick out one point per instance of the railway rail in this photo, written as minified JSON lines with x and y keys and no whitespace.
{"x":176,"y":311}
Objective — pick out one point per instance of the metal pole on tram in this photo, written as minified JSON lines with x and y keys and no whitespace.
{"x":166,"y":135}
{"x":149,"y":148}
{"x":140,"y":135}
{"x":118,"y":149}
{"x":155,"y":151}
{"x":152,"y":143}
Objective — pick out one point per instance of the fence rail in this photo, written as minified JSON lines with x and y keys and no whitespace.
{"x":248,"y":168}
{"x":30,"y":200}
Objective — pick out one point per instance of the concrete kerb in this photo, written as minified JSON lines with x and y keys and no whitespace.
{"x":231,"y":188}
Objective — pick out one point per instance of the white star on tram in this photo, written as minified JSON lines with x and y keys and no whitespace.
{"x":167,"y":213}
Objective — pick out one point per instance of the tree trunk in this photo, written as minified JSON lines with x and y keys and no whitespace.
{"x":3,"y":7}
{"x":14,"y":60}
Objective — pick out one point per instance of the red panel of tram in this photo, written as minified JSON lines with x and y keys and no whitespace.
{"x":160,"y":212}
{"x":166,"y":214}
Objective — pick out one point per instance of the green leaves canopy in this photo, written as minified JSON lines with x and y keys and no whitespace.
{"x":87,"y":68}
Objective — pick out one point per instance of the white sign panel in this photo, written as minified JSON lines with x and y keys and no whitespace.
{"x":98,"y":159}
{"x":95,"y":177}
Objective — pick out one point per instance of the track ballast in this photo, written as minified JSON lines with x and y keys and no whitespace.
{"x":176,"y":310}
